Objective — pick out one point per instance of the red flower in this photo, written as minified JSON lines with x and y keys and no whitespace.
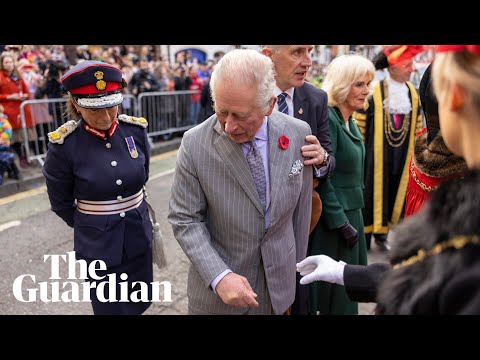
{"x":283,"y":142}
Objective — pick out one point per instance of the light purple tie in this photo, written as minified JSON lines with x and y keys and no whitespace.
{"x":254,"y":159}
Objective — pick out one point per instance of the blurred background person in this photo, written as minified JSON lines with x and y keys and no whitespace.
{"x":83,"y":53}
{"x":194,"y":83}
{"x":203,"y":72}
{"x":339,"y":232}
{"x":50,"y":88}
{"x":206,"y":100}
{"x":7,"y":163}
{"x":143,"y":80}
{"x":13,"y":91}
{"x":40,"y":112}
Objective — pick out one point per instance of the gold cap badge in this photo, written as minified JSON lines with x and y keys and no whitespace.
{"x":100,"y":84}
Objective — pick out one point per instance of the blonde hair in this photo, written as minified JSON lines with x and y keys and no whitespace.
{"x":462,"y":67}
{"x":344,"y":71}
{"x":246,"y":67}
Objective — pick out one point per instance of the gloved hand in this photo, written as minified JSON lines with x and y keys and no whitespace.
{"x":321,"y":268}
{"x":348,"y":232}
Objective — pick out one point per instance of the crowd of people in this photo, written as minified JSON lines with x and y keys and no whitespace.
{"x":34,"y":72}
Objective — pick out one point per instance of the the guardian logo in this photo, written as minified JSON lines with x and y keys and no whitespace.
{"x":71,"y":291}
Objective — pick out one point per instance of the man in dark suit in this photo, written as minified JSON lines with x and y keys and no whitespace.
{"x":304,"y":101}
{"x":308,"y":103}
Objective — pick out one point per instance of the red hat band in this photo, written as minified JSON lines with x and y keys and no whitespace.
{"x":474,"y":49}
{"x":401,"y":53}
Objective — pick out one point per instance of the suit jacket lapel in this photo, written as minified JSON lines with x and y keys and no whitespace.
{"x":300,"y":103}
{"x":353,"y":134}
{"x":232,"y":155}
{"x":278,"y":169}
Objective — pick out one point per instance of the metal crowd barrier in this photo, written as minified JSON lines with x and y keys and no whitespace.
{"x":48,"y":115}
{"x":167,"y":112}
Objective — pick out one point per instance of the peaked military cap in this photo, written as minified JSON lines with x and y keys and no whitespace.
{"x":94,"y":84}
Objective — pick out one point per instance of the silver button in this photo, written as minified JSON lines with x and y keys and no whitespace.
{"x":122,"y":214}
{"x":113,"y":163}
{"x":108,"y":145}
{"x":119,"y":197}
{"x":119,"y":182}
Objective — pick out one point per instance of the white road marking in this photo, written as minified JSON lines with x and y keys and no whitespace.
{"x":9,"y":225}
{"x":163,"y":173}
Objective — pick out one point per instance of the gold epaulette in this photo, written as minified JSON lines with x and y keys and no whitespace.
{"x":59,"y":135}
{"x":140,"y":121}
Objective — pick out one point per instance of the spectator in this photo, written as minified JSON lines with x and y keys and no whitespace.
{"x":7,"y":163}
{"x":13,"y":91}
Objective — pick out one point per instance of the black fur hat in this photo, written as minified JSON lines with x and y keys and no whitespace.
{"x":429,"y":104}
{"x":380,"y":61}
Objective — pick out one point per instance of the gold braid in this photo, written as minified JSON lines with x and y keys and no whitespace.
{"x":457,"y":242}
{"x":419,"y":183}
{"x":393,"y":139}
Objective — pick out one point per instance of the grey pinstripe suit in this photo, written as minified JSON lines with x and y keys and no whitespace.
{"x":217,"y":218}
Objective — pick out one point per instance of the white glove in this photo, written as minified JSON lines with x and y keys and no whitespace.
{"x":321,"y":268}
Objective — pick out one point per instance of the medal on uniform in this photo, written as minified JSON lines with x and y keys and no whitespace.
{"x":131,"y":147}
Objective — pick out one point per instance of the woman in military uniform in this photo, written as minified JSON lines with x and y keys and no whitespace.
{"x":96,"y":168}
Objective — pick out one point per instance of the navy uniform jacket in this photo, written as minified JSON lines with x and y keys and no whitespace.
{"x":84,"y":167}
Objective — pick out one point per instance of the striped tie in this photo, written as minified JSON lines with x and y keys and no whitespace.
{"x":282,"y":103}
{"x":255,"y":162}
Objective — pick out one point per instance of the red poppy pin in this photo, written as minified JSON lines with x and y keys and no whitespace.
{"x":283,"y":142}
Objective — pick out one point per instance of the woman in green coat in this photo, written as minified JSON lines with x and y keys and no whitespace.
{"x":339,"y":233}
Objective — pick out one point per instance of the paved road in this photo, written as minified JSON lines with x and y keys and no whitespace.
{"x":29,"y":230}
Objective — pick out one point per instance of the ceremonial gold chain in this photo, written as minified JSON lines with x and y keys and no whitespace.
{"x":419,"y":183}
{"x":393,"y":139}
{"x":457,"y":242}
